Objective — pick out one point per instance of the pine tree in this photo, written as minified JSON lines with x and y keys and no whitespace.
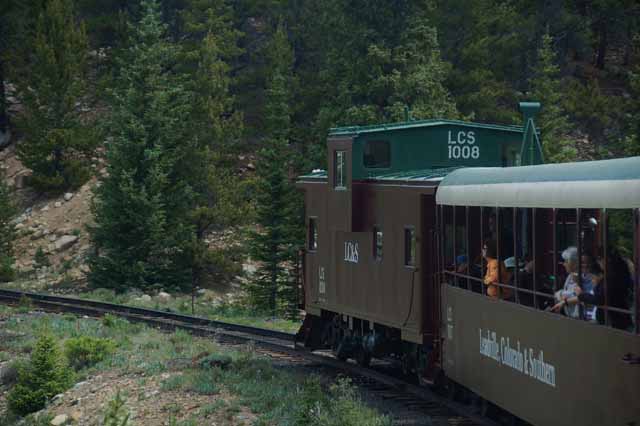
{"x":143,"y":233}
{"x":631,"y":143}
{"x":57,"y":144}
{"x":7,"y":231}
{"x":45,"y":376}
{"x":274,"y":244}
{"x":210,"y":47}
{"x":546,"y":87}
{"x":374,"y":61}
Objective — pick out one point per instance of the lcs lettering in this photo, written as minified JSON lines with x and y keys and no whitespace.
{"x":350,"y":252}
{"x":462,"y":145}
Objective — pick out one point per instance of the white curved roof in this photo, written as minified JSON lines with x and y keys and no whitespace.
{"x":591,"y":184}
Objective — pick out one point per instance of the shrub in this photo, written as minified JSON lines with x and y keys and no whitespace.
{"x":40,"y":258}
{"x":7,"y":272}
{"x":45,"y":376}
{"x":86,"y":351}
{"x":25,"y":304}
{"x":116,"y":414}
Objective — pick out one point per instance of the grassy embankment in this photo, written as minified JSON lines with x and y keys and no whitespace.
{"x":227,"y":312}
{"x":174,"y":361}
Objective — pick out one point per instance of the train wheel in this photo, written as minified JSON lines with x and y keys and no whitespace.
{"x":363,"y":358}
{"x":421,"y":370}
{"x":341,"y":351}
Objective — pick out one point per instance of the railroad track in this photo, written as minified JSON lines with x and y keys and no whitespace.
{"x":411,"y":405}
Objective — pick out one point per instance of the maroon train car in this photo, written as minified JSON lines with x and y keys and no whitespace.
{"x":393,"y":269}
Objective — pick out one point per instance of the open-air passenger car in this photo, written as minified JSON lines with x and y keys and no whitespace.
{"x":581,"y":367}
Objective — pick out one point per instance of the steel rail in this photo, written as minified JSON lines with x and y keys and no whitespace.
{"x":441,"y":409}
{"x":150,"y":313}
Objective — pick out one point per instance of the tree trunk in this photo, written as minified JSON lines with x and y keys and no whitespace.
{"x":602,"y":44}
{"x":4,"y":117}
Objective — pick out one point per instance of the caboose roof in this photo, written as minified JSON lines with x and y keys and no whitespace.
{"x":356,"y":130}
{"x":422,"y":175}
{"x":590,"y":184}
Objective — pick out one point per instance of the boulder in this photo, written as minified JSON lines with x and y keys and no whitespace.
{"x":21,"y":178}
{"x":164,"y":297}
{"x":57,"y":204}
{"x":5,"y":139}
{"x":68,"y":196}
{"x":8,"y":374}
{"x":65,"y":242}
{"x":59,"y":420}
{"x":145,"y":298}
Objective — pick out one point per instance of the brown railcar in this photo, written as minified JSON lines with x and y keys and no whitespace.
{"x":384,"y":273}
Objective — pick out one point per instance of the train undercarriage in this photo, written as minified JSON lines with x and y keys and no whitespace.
{"x":362,"y":340}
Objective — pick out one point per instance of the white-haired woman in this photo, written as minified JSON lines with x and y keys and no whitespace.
{"x":571,"y":287}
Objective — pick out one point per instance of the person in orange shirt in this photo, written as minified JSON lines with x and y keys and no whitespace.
{"x":495,"y":274}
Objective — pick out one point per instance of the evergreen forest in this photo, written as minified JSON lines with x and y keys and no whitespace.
{"x":206,"y":110}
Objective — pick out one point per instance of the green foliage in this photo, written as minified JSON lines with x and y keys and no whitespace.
{"x":57,"y":143}
{"x":25,"y":304}
{"x":631,"y":141}
{"x":7,"y":231}
{"x":393,"y":60}
{"x":143,"y":232}
{"x":274,"y":245}
{"x":40,"y":258}
{"x":45,"y":376}
{"x":85,"y":351}
{"x":116,"y":413}
{"x":546,"y":87}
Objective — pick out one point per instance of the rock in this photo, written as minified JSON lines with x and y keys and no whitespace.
{"x":65,"y":242}
{"x":145,"y":298}
{"x":5,"y":139}
{"x":38,"y":234}
{"x":164,"y":297}
{"x":21,"y":178}
{"x":76,"y":416}
{"x":59,"y":420}
{"x":52,"y":237}
{"x":68,"y":196}
{"x":8,"y":374}
{"x":19,"y":226}
{"x":57,"y":397}
{"x":215,"y":360}
{"x":57,"y":204}
{"x":201,"y":292}
{"x":149,"y":394}
{"x":45,"y":208}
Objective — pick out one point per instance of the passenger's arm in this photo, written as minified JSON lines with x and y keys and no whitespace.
{"x":492,"y":273}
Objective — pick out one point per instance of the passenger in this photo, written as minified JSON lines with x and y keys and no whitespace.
{"x":506,"y":235}
{"x":592,"y":275}
{"x":618,"y":283}
{"x":495,"y":273}
{"x":525,"y":282}
{"x":571,"y":286}
{"x":462,"y":268}
{"x":508,"y":276}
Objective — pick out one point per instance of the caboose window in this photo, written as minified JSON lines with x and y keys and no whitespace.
{"x":377,"y":243}
{"x":339,"y":180}
{"x":313,"y":234}
{"x":377,"y":154}
{"x":409,"y":246}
